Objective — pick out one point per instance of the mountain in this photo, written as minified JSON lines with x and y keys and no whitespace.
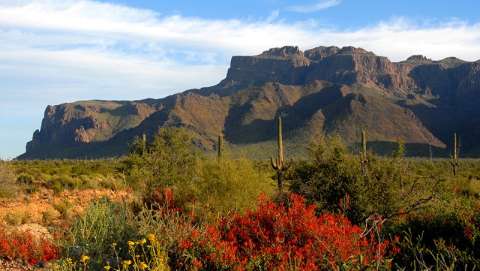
{"x":325,"y":90}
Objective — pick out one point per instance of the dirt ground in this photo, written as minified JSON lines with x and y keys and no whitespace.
{"x":44,"y":213}
{"x":45,"y":207}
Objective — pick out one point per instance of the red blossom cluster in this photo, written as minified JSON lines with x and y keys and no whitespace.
{"x":24,"y":247}
{"x":282,"y":237}
{"x":163,"y":200}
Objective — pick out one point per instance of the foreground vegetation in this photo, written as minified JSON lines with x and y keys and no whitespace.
{"x":167,"y":206}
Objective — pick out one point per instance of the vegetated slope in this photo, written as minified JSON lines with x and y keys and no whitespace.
{"x":325,"y":90}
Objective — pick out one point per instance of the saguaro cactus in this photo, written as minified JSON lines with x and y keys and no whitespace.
{"x":363,"y":152}
{"x":454,"y":157}
{"x":279,"y":164}
{"x":144,"y":143}
{"x":220,"y":147}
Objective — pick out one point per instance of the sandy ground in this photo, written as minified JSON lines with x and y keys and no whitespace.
{"x":45,"y":207}
{"x":43,"y":212}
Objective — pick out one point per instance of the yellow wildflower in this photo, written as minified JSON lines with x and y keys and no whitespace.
{"x":127,"y":263}
{"x":84,"y":259}
{"x":131,"y":243}
{"x":107,"y":267}
{"x":142,"y":242}
{"x":143,"y":266}
{"x":151,"y":237}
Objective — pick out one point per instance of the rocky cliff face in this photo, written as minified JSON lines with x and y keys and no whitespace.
{"x":327,"y":90}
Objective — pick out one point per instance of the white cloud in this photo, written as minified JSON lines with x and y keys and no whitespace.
{"x":317,"y":6}
{"x":53,"y":51}
{"x":61,"y":25}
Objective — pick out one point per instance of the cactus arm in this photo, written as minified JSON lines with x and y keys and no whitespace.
{"x":275,"y":164}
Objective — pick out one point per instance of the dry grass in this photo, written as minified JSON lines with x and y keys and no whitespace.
{"x":8,"y":189}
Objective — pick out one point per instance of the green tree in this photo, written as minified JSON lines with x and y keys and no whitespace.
{"x":168,"y":160}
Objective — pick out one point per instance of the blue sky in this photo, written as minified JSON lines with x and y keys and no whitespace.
{"x":54,"y":51}
{"x":347,"y":13}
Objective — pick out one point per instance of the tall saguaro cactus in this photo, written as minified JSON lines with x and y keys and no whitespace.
{"x":220,"y":148}
{"x":363,"y":153}
{"x":454,"y":158}
{"x":279,"y":164}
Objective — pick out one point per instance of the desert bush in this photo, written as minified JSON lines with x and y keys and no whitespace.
{"x":17,"y":218}
{"x":416,"y":254}
{"x":167,"y":223}
{"x":442,"y":236}
{"x":25,"y":179}
{"x":104,"y":223}
{"x":199,"y":184}
{"x":334,"y":179}
{"x":22,"y":246}
{"x":50,"y":215}
{"x":219,"y":188}
{"x":63,"y":182}
{"x":114,"y":183}
{"x":8,"y":189}
{"x":169,"y":159}
{"x":60,"y":175}
{"x":226,"y":186}
{"x":56,"y":185}
{"x":168,"y":226}
{"x":281,"y":237}
{"x":64,"y":207}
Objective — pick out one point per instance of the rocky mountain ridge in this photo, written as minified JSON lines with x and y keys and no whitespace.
{"x":325,"y":90}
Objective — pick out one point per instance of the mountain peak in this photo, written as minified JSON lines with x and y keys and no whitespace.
{"x":354,"y":50}
{"x":419,"y":59}
{"x":451,"y":62}
{"x":282,"y":52}
{"x":321,"y":52}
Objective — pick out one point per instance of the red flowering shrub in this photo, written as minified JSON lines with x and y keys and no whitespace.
{"x":24,"y":247}
{"x":280,"y":237}
{"x":162,"y":200}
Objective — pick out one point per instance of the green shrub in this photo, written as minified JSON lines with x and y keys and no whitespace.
{"x":231,"y":185}
{"x":168,"y":227}
{"x":25,"y":179}
{"x":64,"y":207}
{"x":104,"y":224}
{"x":56,"y":185}
{"x":17,"y":218}
{"x":204,"y":185}
{"x":416,"y":253}
{"x":67,"y":174}
{"x":170,"y":159}
{"x":334,"y":179}
{"x":49,"y":216}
